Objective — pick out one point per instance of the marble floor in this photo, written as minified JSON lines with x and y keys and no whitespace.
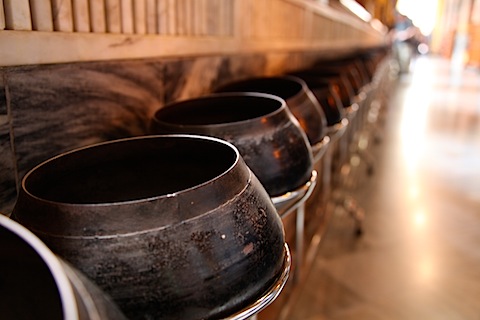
{"x":419,"y":257}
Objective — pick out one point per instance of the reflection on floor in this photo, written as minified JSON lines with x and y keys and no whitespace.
{"x":419,"y":257}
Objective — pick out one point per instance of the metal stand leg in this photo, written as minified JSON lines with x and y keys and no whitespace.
{"x":356,"y":212}
{"x":341,"y":180}
{"x":295,"y":202}
{"x":299,"y":240}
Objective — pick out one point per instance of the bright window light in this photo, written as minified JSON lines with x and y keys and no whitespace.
{"x":423,"y":13}
{"x":357,"y":9}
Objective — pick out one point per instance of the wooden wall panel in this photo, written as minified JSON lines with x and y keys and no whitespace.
{"x":81,"y":16}
{"x":98,"y":23}
{"x":192,"y":25}
{"x":113,"y":15}
{"x":126,"y":9}
{"x":2,"y":16}
{"x":17,"y":15}
{"x":62,"y":12}
{"x":41,"y":11}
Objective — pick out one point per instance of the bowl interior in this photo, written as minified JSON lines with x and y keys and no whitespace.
{"x":219,"y":109}
{"x":284,"y":88}
{"x":320,"y":80}
{"x":130,"y":169}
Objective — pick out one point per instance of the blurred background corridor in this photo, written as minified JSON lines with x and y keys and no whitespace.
{"x":418,"y":257}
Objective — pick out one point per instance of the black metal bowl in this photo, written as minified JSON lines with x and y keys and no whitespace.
{"x":172,"y":227}
{"x":299,"y":98}
{"x":261,"y":126}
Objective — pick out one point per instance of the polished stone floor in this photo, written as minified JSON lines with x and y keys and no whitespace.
{"x":419,"y":257}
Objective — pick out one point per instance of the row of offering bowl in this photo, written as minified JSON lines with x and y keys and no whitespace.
{"x":181,"y":224}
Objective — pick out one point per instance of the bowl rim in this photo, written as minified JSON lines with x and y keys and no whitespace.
{"x":281,"y":109}
{"x":134,"y":201}
{"x":287,"y":78}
